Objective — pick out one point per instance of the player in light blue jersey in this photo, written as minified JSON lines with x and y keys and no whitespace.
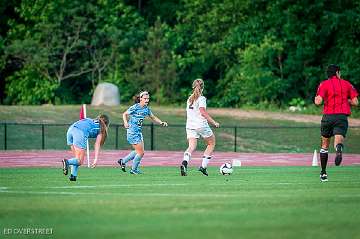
{"x":136,"y":114}
{"x":77,"y":135}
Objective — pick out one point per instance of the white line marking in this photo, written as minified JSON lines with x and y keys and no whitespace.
{"x":119,"y":185}
{"x":210,"y":194}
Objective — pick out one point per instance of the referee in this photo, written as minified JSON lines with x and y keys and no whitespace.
{"x":338,"y":95}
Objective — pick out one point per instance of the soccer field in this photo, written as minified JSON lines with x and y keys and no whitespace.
{"x":253,"y":202}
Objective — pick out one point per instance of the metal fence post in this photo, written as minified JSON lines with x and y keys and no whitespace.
{"x":5,"y":136}
{"x":235,"y":140}
{"x":117,"y":137}
{"x":152,"y":136}
{"x":43,"y":136}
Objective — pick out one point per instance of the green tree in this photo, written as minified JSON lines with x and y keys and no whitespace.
{"x":153,"y":68}
{"x":71,"y":44}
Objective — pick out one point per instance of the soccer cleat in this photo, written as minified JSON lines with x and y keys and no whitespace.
{"x":183,"y":168}
{"x":72,"y":178}
{"x":135,"y":171}
{"x":122,"y":165}
{"x":203,"y":170}
{"x":338,"y":158}
{"x":323,"y":177}
{"x":65,"y":166}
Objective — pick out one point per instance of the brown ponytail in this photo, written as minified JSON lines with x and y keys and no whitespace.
{"x":104,"y":123}
{"x":198,"y":87}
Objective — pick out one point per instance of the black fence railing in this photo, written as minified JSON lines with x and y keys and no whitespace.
{"x":291,"y":139}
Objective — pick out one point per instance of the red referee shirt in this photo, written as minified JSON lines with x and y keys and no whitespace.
{"x":336,"y":94}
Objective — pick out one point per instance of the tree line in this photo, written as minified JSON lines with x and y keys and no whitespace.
{"x":248,"y":52}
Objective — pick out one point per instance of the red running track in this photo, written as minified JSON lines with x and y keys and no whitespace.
{"x":52,"y":158}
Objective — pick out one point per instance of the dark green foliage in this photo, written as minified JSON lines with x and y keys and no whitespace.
{"x":248,"y":52}
{"x":152,"y":68}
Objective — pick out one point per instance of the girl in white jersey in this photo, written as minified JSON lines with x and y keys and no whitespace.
{"x":196,"y":126}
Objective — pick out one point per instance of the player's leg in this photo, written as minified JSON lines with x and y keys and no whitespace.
{"x":209,"y":138}
{"x":132,"y":138}
{"x":69,"y":141}
{"x":326,"y":133}
{"x":192,"y":137}
{"x":324,"y":155}
{"x":78,"y":148}
{"x":139,"y":149}
{"x":340,"y":130}
{"x":338,"y":145}
{"x":192,"y":143}
{"x":76,"y":162}
{"x":122,"y":162}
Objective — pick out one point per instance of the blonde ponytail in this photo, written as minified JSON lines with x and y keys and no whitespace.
{"x":198,"y":87}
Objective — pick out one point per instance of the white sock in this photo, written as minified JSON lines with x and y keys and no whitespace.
{"x":187,"y":156}
{"x":205,"y":161}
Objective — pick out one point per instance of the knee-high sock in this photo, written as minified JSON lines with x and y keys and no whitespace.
{"x":129,"y":157}
{"x":187,"y":156}
{"x":136,"y":162}
{"x":205,"y":161}
{"x":323,"y":159}
{"x":75,"y":165}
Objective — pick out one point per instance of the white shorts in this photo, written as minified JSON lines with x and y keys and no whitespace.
{"x":204,"y":132}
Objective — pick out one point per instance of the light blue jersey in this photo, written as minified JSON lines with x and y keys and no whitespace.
{"x":137,"y":115}
{"x":79,"y":132}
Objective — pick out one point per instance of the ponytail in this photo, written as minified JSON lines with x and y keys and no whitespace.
{"x":198,"y":87}
{"x":104,"y":123}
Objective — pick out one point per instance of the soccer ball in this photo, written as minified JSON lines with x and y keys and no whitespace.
{"x":226,"y":169}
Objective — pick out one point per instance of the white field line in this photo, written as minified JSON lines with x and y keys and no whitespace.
{"x":210,"y":194}
{"x":119,"y":185}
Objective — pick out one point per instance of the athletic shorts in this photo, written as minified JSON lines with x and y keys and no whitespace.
{"x":334,"y":124}
{"x":204,"y":132}
{"x":75,"y":136}
{"x":134,"y":137}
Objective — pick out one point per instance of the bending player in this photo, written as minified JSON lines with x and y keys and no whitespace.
{"x":77,"y":135}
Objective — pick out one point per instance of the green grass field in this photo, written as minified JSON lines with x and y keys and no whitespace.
{"x":254,"y":202}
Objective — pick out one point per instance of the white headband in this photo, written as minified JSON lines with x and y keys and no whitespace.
{"x":143,"y":93}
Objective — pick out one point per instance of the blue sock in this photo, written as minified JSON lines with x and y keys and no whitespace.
{"x":75,"y":165}
{"x":75,"y":170}
{"x":136,"y":162}
{"x":73,"y":161}
{"x":129,"y":157}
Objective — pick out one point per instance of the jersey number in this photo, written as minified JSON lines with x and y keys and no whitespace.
{"x":140,"y":122}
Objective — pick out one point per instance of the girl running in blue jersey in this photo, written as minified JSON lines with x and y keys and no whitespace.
{"x":77,"y":135}
{"x":136,"y":114}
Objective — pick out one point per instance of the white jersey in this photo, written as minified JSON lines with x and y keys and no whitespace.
{"x":194,"y":118}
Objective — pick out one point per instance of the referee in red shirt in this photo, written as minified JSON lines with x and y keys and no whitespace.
{"x":338,"y":95}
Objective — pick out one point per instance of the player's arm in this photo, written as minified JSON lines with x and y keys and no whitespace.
{"x":206,"y":115}
{"x":318,"y":100}
{"x":354,"y":101}
{"x":157,"y":120}
{"x":125,"y":119}
{"x":96,"y":149}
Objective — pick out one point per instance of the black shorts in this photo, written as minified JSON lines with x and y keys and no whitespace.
{"x":334,"y":124}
